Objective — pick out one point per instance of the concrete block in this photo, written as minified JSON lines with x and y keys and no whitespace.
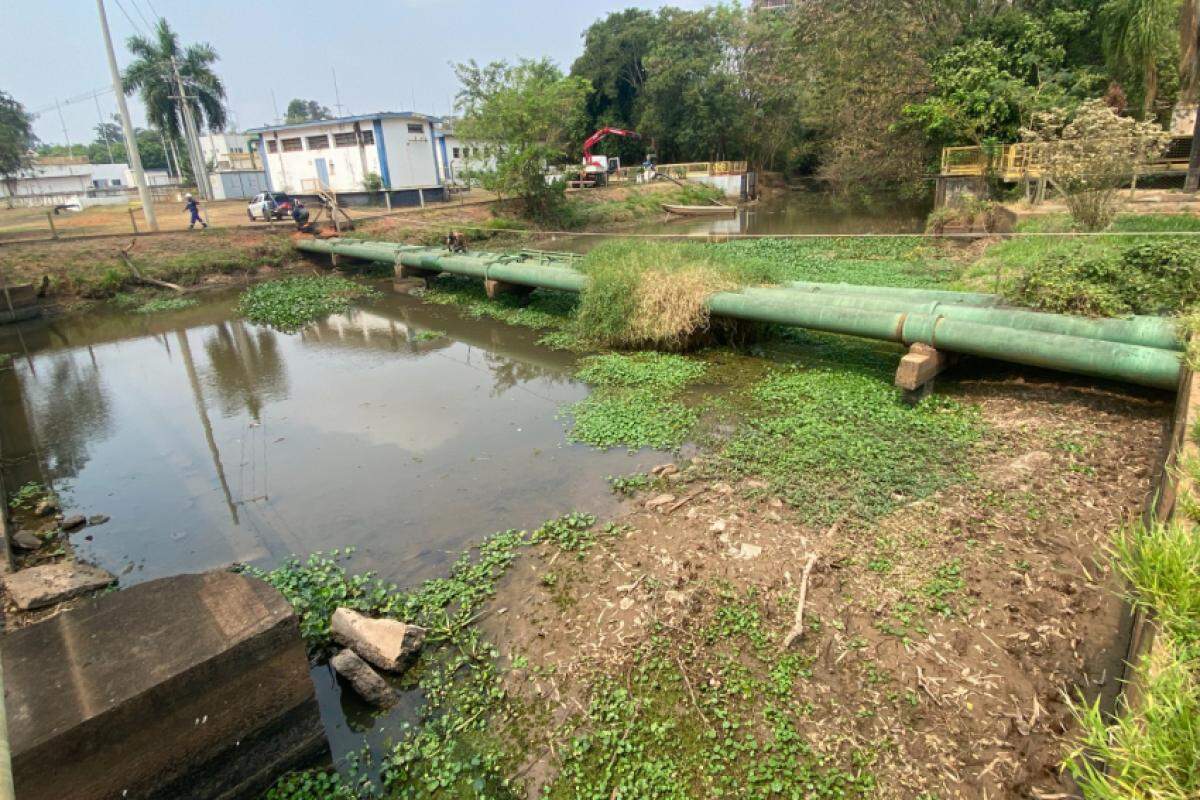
{"x":404,"y":272}
{"x":920,"y":366}
{"x":366,"y":681}
{"x":496,"y":289}
{"x":387,"y":643}
{"x":45,"y":585}
{"x":195,"y":686}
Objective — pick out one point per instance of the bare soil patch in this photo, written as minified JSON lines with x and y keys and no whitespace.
{"x":938,"y":642}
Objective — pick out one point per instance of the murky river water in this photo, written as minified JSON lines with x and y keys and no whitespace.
{"x":209,"y":440}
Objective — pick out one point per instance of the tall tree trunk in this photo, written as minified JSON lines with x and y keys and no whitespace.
{"x":1192,"y":182}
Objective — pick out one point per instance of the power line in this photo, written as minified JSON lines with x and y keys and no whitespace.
{"x":132,"y":24}
{"x":153,"y":10}
{"x":138,"y":9}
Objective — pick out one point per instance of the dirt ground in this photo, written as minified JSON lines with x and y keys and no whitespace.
{"x":31,"y":223}
{"x":941,"y":639}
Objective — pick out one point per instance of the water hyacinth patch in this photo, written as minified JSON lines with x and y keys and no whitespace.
{"x":292,"y":303}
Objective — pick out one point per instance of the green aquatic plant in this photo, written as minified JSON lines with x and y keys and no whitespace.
{"x":291,"y":303}
{"x":426,"y":336}
{"x":166,"y":304}
{"x":658,"y":371}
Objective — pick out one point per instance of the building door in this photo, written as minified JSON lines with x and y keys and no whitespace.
{"x":322,"y":171}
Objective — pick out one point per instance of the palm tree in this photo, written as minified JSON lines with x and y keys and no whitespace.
{"x":1136,"y":34}
{"x":152,"y":77}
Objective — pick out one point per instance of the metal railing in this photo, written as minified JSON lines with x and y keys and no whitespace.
{"x":1022,"y":161}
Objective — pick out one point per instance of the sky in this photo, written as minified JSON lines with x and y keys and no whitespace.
{"x":389,"y":55}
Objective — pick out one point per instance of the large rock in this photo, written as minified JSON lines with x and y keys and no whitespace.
{"x":195,"y":686}
{"x":387,"y":643}
{"x":366,"y":681}
{"x":27,"y":540}
{"x":45,"y":585}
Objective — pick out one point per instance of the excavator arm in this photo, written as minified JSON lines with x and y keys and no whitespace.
{"x":601,"y":134}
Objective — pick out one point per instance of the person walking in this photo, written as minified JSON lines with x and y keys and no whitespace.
{"x":193,"y":208}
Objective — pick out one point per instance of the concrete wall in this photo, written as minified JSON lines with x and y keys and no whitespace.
{"x":195,"y":686}
{"x":410,"y":154}
{"x":730,"y":185}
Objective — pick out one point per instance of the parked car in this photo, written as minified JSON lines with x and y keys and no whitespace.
{"x":275,"y":204}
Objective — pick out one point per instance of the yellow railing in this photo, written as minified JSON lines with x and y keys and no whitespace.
{"x":1016,"y":162}
{"x":703,"y":168}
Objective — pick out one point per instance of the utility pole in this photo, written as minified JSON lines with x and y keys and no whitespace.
{"x":337,"y":96}
{"x":100,"y":118}
{"x":195,"y":151}
{"x":67,"y":136}
{"x":135,"y":159}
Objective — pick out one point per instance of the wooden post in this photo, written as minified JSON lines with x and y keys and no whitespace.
{"x":133,"y":221}
{"x":918,"y":368}
{"x":50,"y":219}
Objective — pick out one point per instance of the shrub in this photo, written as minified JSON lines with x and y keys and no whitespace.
{"x":1145,"y":278}
{"x":1090,"y":155}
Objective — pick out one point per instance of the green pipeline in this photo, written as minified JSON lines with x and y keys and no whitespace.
{"x":1146,"y":331}
{"x":872,"y":316}
{"x":920,"y":295}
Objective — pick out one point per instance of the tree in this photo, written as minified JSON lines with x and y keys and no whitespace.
{"x":523,"y":113}
{"x":16,"y":140}
{"x":1138,"y":36}
{"x":1189,"y":71}
{"x":694,"y":106}
{"x":151,"y":75}
{"x":305,"y":111}
{"x":1090,"y":155}
{"x":613,"y":63}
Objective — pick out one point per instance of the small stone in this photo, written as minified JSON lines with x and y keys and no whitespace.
{"x":26,"y":540}
{"x":717,"y":527}
{"x":663,"y":470}
{"x":369,"y":685}
{"x":387,"y":643}
{"x":73,"y":522}
{"x":722,"y":488}
{"x":677,"y":477}
{"x":45,"y":585}
{"x":748,"y":551}
{"x":98,"y":519}
{"x":46,"y":507}
{"x":773,"y":516}
{"x":660,"y":501}
{"x":775,"y":502}
{"x":626,"y":603}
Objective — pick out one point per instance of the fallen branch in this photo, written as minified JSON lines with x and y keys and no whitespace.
{"x":679,"y":503}
{"x":137,"y":273}
{"x":798,"y":626}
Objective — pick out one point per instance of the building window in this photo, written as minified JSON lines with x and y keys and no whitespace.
{"x":271,"y":146}
{"x":115,"y":182}
{"x":291,"y":145}
{"x":457,"y":153}
{"x":368,"y":137}
{"x":416,"y":127}
{"x":318,"y":142}
{"x":345,"y":139}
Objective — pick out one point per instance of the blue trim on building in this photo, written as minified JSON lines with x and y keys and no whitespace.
{"x":377,"y":124}
{"x":340,"y":120}
{"x":446,"y":160}
{"x":437,"y":170}
{"x":262,"y":153}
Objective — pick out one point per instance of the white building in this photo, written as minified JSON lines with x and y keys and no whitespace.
{"x":72,"y":180}
{"x":457,"y":157}
{"x":229,"y":150}
{"x":396,"y":151}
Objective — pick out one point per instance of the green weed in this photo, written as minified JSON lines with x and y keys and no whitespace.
{"x":837,"y":442}
{"x":166,"y":304}
{"x":426,"y":336}
{"x":292,"y":303}
{"x":657,"y":371}
{"x":631,"y":418}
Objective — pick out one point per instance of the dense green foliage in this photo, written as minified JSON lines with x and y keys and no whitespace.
{"x":16,"y":136}
{"x":861,"y":92}
{"x":300,"y":110}
{"x":165,"y":304}
{"x":292,"y":303}
{"x":1151,"y":276}
{"x":521,"y":115}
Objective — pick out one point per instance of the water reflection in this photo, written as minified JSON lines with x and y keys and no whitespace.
{"x":209,"y":440}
